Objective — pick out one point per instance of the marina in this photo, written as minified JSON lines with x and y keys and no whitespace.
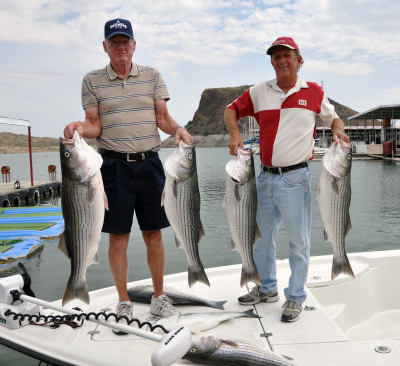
{"x":374,"y":210}
{"x":332,"y":330}
{"x":25,"y":193}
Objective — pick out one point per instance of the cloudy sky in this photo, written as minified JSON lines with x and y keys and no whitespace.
{"x":353,"y":46}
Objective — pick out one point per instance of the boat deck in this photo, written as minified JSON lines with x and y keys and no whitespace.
{"x":346,"y":321}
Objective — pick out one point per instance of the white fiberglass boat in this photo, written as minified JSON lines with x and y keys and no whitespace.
{"x":346,"y":322}
{"x":319,"y":152}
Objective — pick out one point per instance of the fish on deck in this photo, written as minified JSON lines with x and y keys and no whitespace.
{"x":144,"y":293}
{"x":199,"y":322}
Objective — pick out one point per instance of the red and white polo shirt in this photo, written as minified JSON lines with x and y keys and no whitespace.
{"x":287,"y":121}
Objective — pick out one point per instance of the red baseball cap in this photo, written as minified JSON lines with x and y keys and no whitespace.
{"x":284,"y":41}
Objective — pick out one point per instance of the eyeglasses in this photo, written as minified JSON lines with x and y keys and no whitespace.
{"x":125,"y":44}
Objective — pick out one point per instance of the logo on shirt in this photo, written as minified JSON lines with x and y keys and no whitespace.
{"x":302,"y":102}
{"x":118,"y":25}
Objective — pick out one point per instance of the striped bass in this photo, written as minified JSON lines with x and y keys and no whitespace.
{"x":181,"y":200}
{"x":83,"y":201}
{"x":240,"y":204}
{"x":216,"y":351}
{"x":199,"y":322}
{"x":334,"y":195}
{"x":145,"y":292}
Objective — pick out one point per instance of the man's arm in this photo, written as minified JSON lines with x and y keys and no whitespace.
{"x":337,"y":129}
{"x":167,"y":124}
{"x":90,"y":128}
{"x":236,"y":138}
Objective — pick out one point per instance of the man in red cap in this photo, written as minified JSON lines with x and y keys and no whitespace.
{"x":286,"y":109}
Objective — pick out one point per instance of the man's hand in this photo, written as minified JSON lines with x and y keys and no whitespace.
{"x":71,"y":127}
{"x":181,"y":133}
{"x":342,"y":136}
{"x":236,"y":138}
{"x":235,"y":141}
{"x":337,"y":129}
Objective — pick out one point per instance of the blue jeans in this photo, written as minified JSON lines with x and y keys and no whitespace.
{"x":287,"y":197}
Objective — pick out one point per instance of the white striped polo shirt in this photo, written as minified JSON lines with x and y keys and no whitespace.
{"x":126,"y":107}
{"x":287,"y":121}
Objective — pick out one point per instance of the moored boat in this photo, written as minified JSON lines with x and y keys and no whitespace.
{"x":344,"y":322}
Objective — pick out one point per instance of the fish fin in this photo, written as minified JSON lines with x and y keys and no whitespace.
{"x":195,"y":330}
{"x":198,"y":276}
{"x":105,"y":201}
{"x":341,"y":266}
{"x":257,"y":235}
{"x":95,"y":258}
{"x":217,"y":304}
{"x":80,"y":292}
{"x":348,"y":227}
{"x":224,"y":201}
{"x":236,"y":192}
{"x":62,"y":245}
{"x":163,"y":198}
{"x":91,"y":193}
{"x":201,"y":231}
{"x":248,"y":276}
{"x":233,"y":245}
{"x":229,"y":342}
{"x":178,"y":243}
{"x":335,"y":186}
{"x":325,"y":236}
{"x":288,"y":358}
{"x":250,"y":314}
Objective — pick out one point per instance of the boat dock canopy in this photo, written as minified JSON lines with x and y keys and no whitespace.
{"x":15,"y":121}
{"x":383,"y":111}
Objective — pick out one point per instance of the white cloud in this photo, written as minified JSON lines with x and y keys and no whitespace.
{"x":48,"y":45}
{"x":344,"y":68}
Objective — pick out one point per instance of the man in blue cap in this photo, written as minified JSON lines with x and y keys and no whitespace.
{"x":124,"y":104}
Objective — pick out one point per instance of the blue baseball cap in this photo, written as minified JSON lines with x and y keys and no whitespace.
{"x":118,"y":26}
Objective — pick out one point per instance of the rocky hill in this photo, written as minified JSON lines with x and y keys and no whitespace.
{"x":18,"y":143}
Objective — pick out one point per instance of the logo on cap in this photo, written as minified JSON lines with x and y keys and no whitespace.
{"x":280,"y":41}
{"x":118,"y":25}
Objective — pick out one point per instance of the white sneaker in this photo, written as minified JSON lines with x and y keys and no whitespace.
{"x":162,"y":306}
{"x":124,"y":308}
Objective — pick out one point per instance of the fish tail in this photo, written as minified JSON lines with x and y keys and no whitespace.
{"x":217,"y":304}
{"x":79,"y":291}
{"x":249,"y":276}
{"x":341,"y":265}
{"x":250,"y":314}
{"x":198,"y":276}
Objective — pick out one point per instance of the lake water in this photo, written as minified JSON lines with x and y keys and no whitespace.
{"x":374,"y":210}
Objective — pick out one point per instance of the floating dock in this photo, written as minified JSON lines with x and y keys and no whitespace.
{"x":10,"y":196}
{"x":23,"y":230}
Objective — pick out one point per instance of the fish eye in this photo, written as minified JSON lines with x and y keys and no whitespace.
{"x":190,"y":156}
{"x":193,"y":350}
{"x":66,"y":154}
{"x":249,"y":161}
{"x":349,"y":157}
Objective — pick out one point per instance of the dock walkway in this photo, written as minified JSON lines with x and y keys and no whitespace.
{"x":10,"y":196}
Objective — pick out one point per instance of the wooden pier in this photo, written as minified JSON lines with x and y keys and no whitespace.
{"x":11,"y":196}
